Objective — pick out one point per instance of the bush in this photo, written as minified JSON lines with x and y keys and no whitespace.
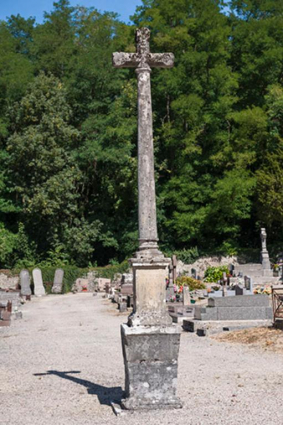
{"x":187,"y":256}
{"x":213,"y":274}
{"x":192,"y":283}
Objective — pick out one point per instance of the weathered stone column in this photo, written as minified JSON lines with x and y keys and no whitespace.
{"x":264,"y":254}
{"x":150,"y":341}
{"x":146,"y":182}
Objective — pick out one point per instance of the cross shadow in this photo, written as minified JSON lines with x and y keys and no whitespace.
{"x":105,"y":395}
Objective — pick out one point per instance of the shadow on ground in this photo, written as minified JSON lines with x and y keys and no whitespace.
{"x":104,"y":394}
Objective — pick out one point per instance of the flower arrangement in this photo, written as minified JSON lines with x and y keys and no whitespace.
{"x":259,"y":290}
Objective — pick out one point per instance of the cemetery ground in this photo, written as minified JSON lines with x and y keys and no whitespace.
{"x":62,"y":364}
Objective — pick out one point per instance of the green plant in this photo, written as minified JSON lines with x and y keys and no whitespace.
{"x":192,"y":283}
{"x":213,"y":274}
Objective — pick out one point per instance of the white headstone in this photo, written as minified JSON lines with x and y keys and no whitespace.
{"x":25,"y":283}
{"x":39,"y":289}
{"x":58,"y":281}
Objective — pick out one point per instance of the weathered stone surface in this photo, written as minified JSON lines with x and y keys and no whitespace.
{"x":25,"y":283}
{"x":150,"y":307}
{"x":80,"y":285}
{"x":39,"y":289}
{"x":102,"y":282}
{"x":245,"y":307}
{"x":186,"y":296}
{"x":243,"y":301}
{"x":151,"y":380}
{"x":150,"y":358}
{"x":7,"y":281}
{"x":58,"y":281}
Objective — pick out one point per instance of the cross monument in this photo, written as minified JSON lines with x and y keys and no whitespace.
{"x":150,"y":342}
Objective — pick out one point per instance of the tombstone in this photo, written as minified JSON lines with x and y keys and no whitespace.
{"x":58,"y":282}
{"x":231,"y":269}
{"x":39,"y":289}
{"x":224,"y":285}
{"x":170,"y":288}
{"x":122,"y":307}
{"x":174,"y":265}
{"x":264,"y":254}
{"x":248,"y":283}
{"x":150,"y":342}
{"x":239,"y":290}
{"x":186,"y":296}
{"x":25,"y":283}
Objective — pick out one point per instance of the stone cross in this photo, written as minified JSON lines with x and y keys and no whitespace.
{"x":143,"y":60}
{"x":263,"y":239}
{"x":150,"y":342}
{"x":264,"y":254}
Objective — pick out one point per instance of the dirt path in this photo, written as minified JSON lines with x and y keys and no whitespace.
{"x":62,"y":364}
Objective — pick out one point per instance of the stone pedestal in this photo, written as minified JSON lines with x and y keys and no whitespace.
{"x":150,"y":272}
{"x":151,"y":362}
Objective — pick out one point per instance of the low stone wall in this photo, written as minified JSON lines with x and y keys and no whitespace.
{"x":7,"y":281}
{"x":203,"y":263}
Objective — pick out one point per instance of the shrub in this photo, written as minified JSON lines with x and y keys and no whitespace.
{"x":213,"y":274}
{"x":192,"y":283}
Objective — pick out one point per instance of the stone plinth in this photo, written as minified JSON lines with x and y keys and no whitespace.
{"x":151,"y":362}
{"x":244,"y":307}
{"x":150,"y":307}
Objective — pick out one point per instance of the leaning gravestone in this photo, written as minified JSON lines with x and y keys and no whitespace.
{"x":58,"y":281}
{"x":25,"y":283}
{"x":39,"y":289}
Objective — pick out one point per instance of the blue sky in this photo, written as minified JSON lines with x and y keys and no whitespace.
{"x":35,"y":8}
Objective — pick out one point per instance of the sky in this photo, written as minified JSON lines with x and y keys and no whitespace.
{"x":35,"y":8}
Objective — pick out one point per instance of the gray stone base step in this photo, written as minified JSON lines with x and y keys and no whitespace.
{"x":214,"y":327}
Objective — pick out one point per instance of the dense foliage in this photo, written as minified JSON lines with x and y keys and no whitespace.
{"x":68,"y":130}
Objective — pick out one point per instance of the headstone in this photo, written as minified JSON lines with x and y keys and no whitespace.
{"x":248,"y":283}
{"x":122,"y":307}
{"x":174,"y":265}
{"x":186,"y":296}
{"x":231,"y":269}
{"x":150,"y":342}
{"x":58,"y":281}
{"x":264,"y":254}
{"x":25,"y":283}
{"x":39,"y":289}
{"x":170,"y":288}
{"x":239,"y":290}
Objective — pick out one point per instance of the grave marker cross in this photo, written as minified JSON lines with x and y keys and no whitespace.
{"x":143,"y":60}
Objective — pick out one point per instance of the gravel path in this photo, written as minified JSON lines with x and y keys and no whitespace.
{"x":62,"y":363}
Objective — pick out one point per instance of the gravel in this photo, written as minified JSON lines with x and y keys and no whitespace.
{"x":62,"y":364}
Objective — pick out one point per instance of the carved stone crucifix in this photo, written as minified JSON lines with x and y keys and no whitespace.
{"x":143,"y":60}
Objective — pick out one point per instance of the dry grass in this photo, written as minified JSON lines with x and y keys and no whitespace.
{"x":270,"y":339}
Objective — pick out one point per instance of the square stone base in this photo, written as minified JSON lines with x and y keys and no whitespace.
{"x":151,"y":365}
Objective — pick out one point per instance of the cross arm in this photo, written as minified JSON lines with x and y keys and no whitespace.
{"x":161,"y":60}
{"x":125,"y":60}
